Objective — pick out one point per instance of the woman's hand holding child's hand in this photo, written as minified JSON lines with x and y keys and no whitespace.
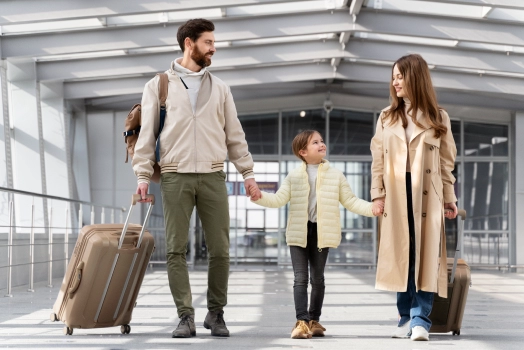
{"x":378,"y":206}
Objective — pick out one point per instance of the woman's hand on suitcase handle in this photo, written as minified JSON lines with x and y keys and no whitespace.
{"x":142,"y":190}
{"x":450,"y":210}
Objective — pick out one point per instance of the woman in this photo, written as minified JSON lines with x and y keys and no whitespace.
{"x":413,"y":157}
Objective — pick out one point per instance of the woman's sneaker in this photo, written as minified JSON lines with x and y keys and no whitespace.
{"x":301,"y":330}
{"x":419,"y":333}
{"x":401,"y":331}
{"x":316,"y":328}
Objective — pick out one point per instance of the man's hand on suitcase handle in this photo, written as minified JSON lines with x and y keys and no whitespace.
{"x":450,"y":210}
{"x":142,"y":190}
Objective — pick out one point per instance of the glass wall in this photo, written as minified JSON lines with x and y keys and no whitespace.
{"x":350,"y":132}
{"x":482,"y":171}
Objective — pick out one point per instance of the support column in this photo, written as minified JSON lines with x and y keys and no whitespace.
{"x":55,"y":146}
{"x":519,"y":190}
{"x":6,"y":168}
{"x":27,"y":155}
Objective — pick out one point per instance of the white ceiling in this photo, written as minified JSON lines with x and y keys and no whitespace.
{"x":103,"y":52}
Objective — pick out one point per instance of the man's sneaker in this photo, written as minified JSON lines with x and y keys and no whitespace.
{"x":401,"y":331}
{"x":316,"y":328}
{"x":186,"y":327}
{"x":419,"y":333}
{"x":215,"y":321}
{"x":301,"y":330}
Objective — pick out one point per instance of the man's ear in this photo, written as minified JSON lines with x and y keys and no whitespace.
{"x":188,"y":43}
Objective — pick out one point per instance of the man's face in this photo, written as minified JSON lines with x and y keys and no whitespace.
{"x":203,"y":49}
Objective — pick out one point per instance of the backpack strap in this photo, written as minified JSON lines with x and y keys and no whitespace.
{"x":162,"y":96}
{"x":162,"y":88}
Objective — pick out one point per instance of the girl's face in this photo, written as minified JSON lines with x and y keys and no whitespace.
{"x":315,"y":150}
{"x":398,"y":82}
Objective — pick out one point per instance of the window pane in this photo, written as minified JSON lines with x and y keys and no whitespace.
{"x":354,"y":248}
{"x":486,"y":195}
{"x":350,"y":132}
{"x":455,"y":130}
{"x":485,"y":139}
{"x":293,"y":123}
{"x":451,"y":225}
{"x":358,"y":175}
{"x":261,"y":133}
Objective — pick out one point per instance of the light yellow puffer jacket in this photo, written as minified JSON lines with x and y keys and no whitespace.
{"x":332,"y":188}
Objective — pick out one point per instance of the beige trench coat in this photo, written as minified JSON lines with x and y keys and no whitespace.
{"x":431,"y":161}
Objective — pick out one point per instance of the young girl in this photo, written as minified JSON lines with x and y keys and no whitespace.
{"x":314,"y":191}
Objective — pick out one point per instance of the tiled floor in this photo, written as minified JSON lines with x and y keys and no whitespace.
{"x":260,"y":315}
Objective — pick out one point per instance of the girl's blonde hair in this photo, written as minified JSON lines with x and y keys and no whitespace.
{"x":301,"y":141}
{"x":419,"y":90}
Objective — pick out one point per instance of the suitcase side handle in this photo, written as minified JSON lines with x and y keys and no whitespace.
{"x":135,"y":199}
{"x":78,"y":279}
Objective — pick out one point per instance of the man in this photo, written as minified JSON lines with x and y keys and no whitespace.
{"x":201,"y":128}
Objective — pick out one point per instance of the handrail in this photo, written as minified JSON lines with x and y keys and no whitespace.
{"x":5,"y":189}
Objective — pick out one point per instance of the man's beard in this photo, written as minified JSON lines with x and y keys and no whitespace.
{"x":200,"y":58}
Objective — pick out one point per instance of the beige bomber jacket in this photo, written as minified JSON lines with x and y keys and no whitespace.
{"x":332,"y":188}
{"x":191,"y":142}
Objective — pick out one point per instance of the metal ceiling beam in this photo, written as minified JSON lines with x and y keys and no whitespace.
{"x":238,"y":77}
{"x":355,"y":6}
{"x":225,"y":58}
{"x":13,"y":12}
{"x":151,"y":36}
{"x":275,"y":26}
{"x":237,"y":57}
{"x":454,"y":57}
{"x":508,"y":4}
{"x":354,"y":72}
{"x":446,"y":80}
{"x":450,"y":28}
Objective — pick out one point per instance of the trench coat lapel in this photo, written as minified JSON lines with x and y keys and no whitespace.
{"x":398,"y":130}
{"x":419,"y":130}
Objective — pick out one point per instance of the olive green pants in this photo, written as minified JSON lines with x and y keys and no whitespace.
{"x":180,"y":193}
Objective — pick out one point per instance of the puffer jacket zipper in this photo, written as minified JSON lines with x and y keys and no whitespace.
{"x":320,"y":237}
{"x":307,"y":199}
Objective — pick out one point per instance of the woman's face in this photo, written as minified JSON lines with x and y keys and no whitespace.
{"x":398,"y":82}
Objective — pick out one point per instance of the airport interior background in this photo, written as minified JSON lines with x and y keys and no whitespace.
{"x":71,"y":71}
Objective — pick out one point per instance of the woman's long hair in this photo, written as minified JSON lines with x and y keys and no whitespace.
{"x":419,"y":90}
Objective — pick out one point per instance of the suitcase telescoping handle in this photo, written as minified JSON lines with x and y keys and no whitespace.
{"x":460,"y":237}
{"x":134,"y":199}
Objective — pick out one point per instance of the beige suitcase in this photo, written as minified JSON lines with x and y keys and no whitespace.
{"x":447,"y":313}
{"x":104,"y":275}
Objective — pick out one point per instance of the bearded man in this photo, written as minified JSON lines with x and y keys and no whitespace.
{"x":201,"y":128}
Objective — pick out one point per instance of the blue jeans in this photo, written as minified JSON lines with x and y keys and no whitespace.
{"x":413,"y":305}
{"x":311,"y":257}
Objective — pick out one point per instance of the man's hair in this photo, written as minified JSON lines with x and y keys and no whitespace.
{"x":193,"y":29}
{"x":301,"y":141}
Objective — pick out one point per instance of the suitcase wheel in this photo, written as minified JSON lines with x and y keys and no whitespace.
{"x":68,"y":331}
{"x":125,"y":329}
{"x":456,"y":332}
{"x":53,"y":317}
